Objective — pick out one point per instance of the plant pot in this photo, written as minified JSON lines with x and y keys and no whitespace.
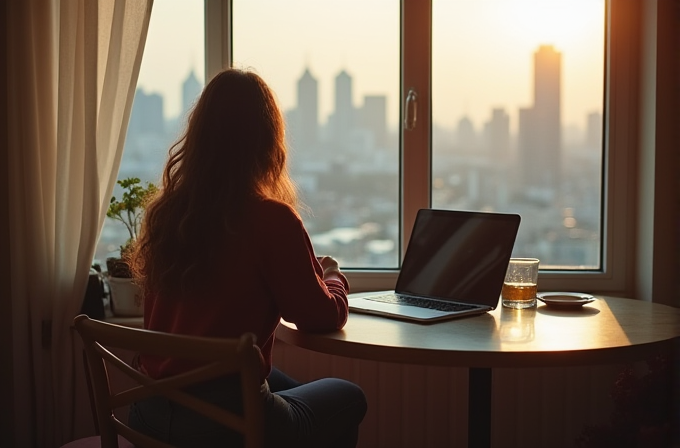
{"x":127,"y":298}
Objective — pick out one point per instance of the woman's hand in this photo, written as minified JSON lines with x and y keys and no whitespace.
{"x":329,"y":265}
{"x":331,"y":270}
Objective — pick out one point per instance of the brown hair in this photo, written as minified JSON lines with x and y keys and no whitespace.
{"x":232,"y":151}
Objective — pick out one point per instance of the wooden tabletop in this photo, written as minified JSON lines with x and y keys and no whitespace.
{"x":608,"y":330}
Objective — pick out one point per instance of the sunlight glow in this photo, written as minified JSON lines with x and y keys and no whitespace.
{"x":487,"y":47}
{"x":556,"y":22}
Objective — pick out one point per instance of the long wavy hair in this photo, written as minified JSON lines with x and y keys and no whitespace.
{"x":233,"y":151}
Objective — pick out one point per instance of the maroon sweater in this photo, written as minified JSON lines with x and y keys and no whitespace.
{"x":270,"y":271}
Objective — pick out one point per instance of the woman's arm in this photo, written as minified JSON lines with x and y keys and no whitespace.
{"x":309,"y":292}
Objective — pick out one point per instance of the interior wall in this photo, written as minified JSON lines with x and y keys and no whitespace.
{"x":666,"y":287}
{"x":6,"y":348}
{"x":658,"y":217}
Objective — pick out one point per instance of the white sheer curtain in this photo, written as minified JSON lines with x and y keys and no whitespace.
{"x":72,"y":72}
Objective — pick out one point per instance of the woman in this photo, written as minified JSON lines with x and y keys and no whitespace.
{"x":222,"y":252}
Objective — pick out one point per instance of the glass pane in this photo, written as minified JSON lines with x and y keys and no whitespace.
{"x":170,"y":79}
{"x":518,"y":93}
{"x":334,"y":66}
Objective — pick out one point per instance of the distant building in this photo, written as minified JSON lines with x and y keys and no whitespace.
{"x":306,"y":118}
{"x":594,"y":131}
{"x":466,"y":135}
{"x":539,"y":139}
{"x":191,"y":89}
{"x":146,"y":116}
{"x":497,"y":134}
{"x":373,"y":118}
{"x":342,"y":119}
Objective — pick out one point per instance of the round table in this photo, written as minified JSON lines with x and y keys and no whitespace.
{"x":608,"y":330}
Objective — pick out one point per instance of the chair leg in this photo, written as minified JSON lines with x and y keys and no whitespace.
{"x":90,"y":393}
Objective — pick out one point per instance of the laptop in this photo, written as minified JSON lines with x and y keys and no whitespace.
{"x":454,"y":266}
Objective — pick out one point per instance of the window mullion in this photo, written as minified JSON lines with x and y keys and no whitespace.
{"x":218,"y":53}
{"x":416,"y":66}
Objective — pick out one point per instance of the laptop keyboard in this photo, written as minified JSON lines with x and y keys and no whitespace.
{"x":421,"y":303}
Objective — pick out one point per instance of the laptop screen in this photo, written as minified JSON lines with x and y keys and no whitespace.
{"x":458,"y":255}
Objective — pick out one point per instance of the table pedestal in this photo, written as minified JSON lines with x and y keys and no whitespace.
{"x":479,"y":407}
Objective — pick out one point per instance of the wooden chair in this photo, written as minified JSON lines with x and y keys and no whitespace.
{"x":222,"y":356}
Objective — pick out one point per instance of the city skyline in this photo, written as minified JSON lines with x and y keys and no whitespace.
{"x":481,"y":51}
{"x":347,"y":168}
{"x":463,"y":123}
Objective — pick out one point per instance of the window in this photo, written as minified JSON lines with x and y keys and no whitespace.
{"x":487,"y":73}
{"x":511,"y":112}
{"x":335,"y":69}
{"x":170,"y":79}
{"x":518,"y":96}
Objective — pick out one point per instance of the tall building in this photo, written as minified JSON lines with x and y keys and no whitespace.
{"x":306,"y":126}
{"x":594,"y":131}
{"x":373,"y":118}
{"x":539,"y":140}
{"x":466,"y":136}
{"x":191,"y":89}
{"x":146,"y":140}
{"x":497,"y":134}
{"x":342,"y":120}
{"x":146,"y":116}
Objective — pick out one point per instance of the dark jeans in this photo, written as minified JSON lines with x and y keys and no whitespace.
{"x":322,"y":413}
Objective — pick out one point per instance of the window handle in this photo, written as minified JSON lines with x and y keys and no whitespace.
{"x":411,"y":109}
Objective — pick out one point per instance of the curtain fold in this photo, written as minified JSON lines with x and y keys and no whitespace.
{"x":72,"y":71}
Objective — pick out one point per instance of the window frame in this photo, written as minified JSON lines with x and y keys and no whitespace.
{"x":620,"y":138}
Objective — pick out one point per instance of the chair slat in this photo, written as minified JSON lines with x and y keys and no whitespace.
{"x":149,"y":387}
{"x":163,"y":344}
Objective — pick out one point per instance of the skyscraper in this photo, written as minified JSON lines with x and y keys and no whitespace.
{"x":539,"y":142}
{"x":343,"y":116}
{"x":497,"y":134}
{"x":466,"y":140}
{"x":191,"y":89}
{"x":374,"y":118}
{"x":146,"y":117}
{"x":594,"y":131}
{"x":306,"y":126}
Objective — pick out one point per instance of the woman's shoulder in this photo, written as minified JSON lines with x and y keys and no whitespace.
{"x":273,"y":209}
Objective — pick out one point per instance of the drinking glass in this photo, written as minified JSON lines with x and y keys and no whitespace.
{"x":520,"y":285}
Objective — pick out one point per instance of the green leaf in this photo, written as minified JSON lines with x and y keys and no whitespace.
{"x":130,"y":208}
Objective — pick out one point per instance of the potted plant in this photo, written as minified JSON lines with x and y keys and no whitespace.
{"x":126,"y":296}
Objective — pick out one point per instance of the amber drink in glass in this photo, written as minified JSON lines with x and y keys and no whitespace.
{"x":520,"y":285}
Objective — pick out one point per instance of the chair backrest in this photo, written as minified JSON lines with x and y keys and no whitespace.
{"x":217,"y":356}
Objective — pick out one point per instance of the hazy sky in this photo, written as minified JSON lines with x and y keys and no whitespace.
{"x":482,"y":51}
